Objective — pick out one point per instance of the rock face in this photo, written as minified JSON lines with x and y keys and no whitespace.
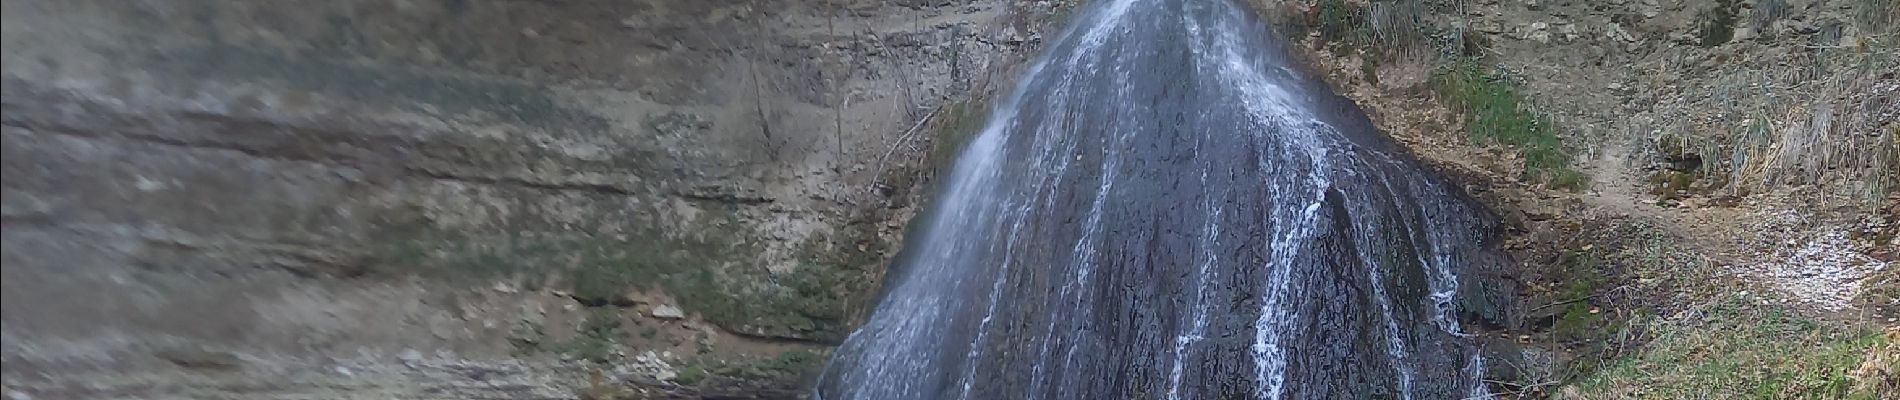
{"x":289,"y":181}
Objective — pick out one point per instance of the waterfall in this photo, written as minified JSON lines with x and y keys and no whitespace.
{"x":1168,"y":207}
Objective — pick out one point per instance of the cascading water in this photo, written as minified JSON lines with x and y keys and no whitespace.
{"x":1167,"y":208}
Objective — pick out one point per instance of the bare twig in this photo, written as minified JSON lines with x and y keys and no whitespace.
{"x":1571,"y":301}
{"x":837,"y":113}
{"x":1579,"y":299}
{"x":878,"y":173}
{"x":758,"y":106}
{"x":904,"y":82}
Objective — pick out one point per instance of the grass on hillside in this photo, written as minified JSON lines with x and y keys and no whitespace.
{"x":1497,"y":113}
{"x":1497,"y":110}
{"x":1735,"y":350}
{"x":1679,"y":326}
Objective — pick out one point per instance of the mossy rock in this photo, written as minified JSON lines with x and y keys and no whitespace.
{"x":1671,"y":184}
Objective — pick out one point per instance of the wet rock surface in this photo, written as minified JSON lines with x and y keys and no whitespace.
{"x":1169,"y":207}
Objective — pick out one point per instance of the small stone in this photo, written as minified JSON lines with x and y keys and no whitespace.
{"x":504,"y":287}
{"x":665,"y":311}
{"x":344,"y":371}
{"x":147,"y":185}
{"x":409,"y":355}
{"x":201,"y":359}
{"x":1539,"y":36}
{"x":1616,"y":32}
{"x":1650,"y":9}
{"x":1010,"y":36}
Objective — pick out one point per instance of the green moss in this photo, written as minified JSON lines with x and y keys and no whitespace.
{"x":1582,"y":277}
{"x":960,"y":122}
{"x":1496,"y":113}
{"x":1670,"y":185}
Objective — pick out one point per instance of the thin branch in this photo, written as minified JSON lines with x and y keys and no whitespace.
{"x":837,"y":89}
{"x":758,"y":105}
{"x":1571,"y":301}
{"x":1579,"y":299}
{"x":901,"y":139}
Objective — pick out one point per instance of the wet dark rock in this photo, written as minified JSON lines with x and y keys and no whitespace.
{"x":1171,"y":208}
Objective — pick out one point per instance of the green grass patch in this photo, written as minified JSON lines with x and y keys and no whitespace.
{"x":691,"y":375}
{"x":811,"y":303}
{"x":1497,"y":113}
{"x":790,"y":363}
{"x":1583,"y":278}
{"x":961,"y":121}
{"x":1740,"y":351}
{"x":598,"y":333}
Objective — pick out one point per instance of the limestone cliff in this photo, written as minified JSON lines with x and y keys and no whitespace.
{"x":388,"y":198}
